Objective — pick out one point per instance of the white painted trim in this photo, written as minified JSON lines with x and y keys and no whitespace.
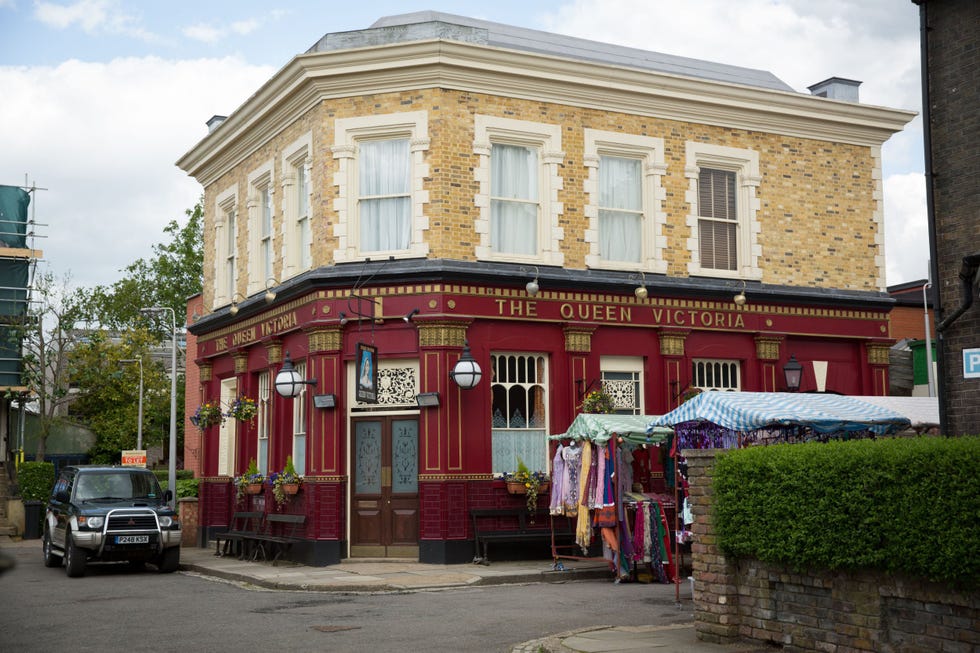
{"x":544,"y":137}
{"x":650,"y":150}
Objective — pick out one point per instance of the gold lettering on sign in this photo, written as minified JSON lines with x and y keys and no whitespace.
{"x":278,"y":324}
{"x":220,"y":344}
{"x":243,"y":337}
{"x":517,"y":308}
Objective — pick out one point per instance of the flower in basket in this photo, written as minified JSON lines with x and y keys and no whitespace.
{"x":282,"y":482}
{"x":243,"y":409}
{"x":530,"y":481}
{"x":207,"y":414}
{"x":252,"y":476}
{"x":598,"y":401}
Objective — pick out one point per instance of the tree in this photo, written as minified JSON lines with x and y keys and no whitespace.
{"x":107,"y":392}
{"x":48,"y":331}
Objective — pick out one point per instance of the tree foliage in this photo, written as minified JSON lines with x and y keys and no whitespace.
{"x":107,"y":398}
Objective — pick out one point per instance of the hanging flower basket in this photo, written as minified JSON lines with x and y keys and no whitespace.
{"x":243,"y":409}
{"x":290,"y":488}
{"x":516,"y":487}
{"x":528,"y":483}
{"x":250,"y":482}
{"x":598,"y":401}
{"x":207,"y":414}
{"x":285,"y":484}
{"x":253,"y":488}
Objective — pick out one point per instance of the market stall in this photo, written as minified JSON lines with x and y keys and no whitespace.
{"x":593,"y":484}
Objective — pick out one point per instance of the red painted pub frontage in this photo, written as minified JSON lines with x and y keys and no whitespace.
{"x":397,"y":478}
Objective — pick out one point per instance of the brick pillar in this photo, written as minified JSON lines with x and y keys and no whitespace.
{"x":187,"y":509}
{"x":715,"y":592}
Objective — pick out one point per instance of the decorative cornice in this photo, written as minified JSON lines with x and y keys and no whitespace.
{"x":767,"y":347}
{"x":325,"y":338}
{"x":455,"y":477}
{"x":241,"y":362}
{"x":310,"y":79}
{"x":442,"y":334}
{"x":273,"y":349}
{"x":878,"y":353}
{"x":578,"y":339}
{"x":672,"y":343}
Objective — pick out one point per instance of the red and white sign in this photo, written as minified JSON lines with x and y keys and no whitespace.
{"x":134,"y":458}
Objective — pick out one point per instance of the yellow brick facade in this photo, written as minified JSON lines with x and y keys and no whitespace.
{"x":817,"y":198}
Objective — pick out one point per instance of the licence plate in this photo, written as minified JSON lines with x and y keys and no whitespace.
{"x":132,"y":539}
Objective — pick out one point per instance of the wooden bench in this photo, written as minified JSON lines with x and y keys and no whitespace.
{"x":527,"y":527}
{"x":244,"y":526}
{"x":278,"y":534}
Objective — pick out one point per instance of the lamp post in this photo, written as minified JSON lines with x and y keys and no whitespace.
{"x":172,"y":464}
{"x":139,"y":419}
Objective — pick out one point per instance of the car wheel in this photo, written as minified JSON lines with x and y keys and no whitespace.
{"x":169,"y":560}
{"x":50,"y":559}
{"x":74,"y":558}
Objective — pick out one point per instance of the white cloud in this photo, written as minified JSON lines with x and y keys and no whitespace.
{"x":203,"y":33}
{"x":906,"y":229}
{"x":103,"y":139}
{"x":244,"y":27}
{"x":94,"y":17}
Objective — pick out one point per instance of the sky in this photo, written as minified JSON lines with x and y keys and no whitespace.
{"x":100,"y":98}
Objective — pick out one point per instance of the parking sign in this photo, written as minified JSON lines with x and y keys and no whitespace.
{"x":971,"y":363}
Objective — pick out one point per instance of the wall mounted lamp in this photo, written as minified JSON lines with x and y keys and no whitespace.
{"x":640,"y":291}
{"x":427,"y":399}
{"x":412,"y":313}
{"x":793,"y":371}
{"x":532,"y":286}
{"x":270,"y":295}
{"x":325,"y":401}
{"x":740,"y":299}
{"x":288,"y":381}
{"x":342,"y":318}
{"x":466,"y":373}
{"x":233,"y":310}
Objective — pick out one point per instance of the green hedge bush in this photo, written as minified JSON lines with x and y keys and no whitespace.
{"x":907,"y":505}
{"x":35,"y":480}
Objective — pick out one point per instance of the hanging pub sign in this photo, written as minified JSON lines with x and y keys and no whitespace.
{"x":367,"y":374}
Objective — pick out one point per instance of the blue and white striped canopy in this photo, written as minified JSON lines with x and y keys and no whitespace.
{"x":750,"y":411}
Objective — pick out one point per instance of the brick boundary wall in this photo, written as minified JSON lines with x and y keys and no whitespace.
{"x":845,"y":612}
{"x":188,"y":510}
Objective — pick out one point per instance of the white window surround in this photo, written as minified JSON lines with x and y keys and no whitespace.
{"x":413,"y":125}
{"x":546,"y":138}
{"x":227,"y":444}
{"x":261,"y":179}
{"x":226,"y":204}
{"x":650,"y":151}
{"x":632,"y":365}
{"x":745,"y":164}
{"x":296,"y":156}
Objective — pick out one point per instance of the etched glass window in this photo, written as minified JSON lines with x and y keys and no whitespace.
{"x":519,"y":421}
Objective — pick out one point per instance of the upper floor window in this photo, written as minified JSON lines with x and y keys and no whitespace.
{"x":297,"y":231}
{"x":384,"y":205}
{"x":226,"y":247}
{"x":709,"y":374}
{"x":261,"y":228}
{"x":518,"y":173}
{"x":624,"y":201}
{"x":724,"y":226}
{"x":519,"y":421}
{"x":380,"y":185}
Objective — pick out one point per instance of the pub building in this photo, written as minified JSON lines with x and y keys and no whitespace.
{"x":427,"y":241}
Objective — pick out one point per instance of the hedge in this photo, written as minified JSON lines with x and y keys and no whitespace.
{"x":908,"y":505}
{"x":35,"y":480}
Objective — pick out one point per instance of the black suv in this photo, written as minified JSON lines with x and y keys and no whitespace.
{"x":103,"y":514}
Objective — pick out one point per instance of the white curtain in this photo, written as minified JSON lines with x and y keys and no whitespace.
{"x":514,"y":199}
{"x":620,"y":209}
{"x":385,"y":205}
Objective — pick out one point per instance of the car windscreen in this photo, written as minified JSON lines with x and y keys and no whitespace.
{"x":119,"y":485}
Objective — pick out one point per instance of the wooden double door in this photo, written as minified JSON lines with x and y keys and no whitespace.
{"x":385,"y":482}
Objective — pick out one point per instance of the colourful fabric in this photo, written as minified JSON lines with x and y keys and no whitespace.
{"x":583,"y":529}
{"x":556,"y":506}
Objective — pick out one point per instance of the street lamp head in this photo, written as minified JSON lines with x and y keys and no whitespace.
{"x":466,"y":373}
{"x":288,"y":381}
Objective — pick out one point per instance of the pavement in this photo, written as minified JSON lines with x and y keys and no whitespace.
{"x":388,"y":575}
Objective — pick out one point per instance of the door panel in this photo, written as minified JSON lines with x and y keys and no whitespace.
{"x":384,"y":510}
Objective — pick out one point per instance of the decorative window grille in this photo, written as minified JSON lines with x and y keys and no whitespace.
{"x":397,"y":387}
{"x":625,"y":390}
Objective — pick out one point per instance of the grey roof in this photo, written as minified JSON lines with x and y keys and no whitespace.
{"x":424,"y":25}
